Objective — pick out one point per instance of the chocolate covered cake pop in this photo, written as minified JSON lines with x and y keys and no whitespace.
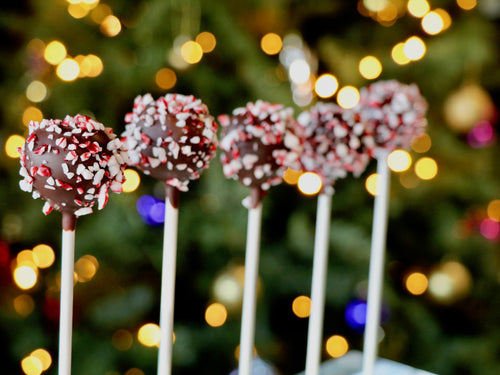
{"x":259,"y":142}
{"x":335,"y":142}
{"x":71,"y":164}
{"x":394,"y":111}
{"x":172,"y":138}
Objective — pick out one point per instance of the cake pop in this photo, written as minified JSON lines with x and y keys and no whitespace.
{"x":258,"y":143}
{"x":335,"y":142}
{"x":71,"y":164}
{"x":394,"y":111}
{"x":171,"y":139}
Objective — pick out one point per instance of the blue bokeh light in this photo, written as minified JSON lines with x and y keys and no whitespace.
{"x":151,"y":209}
{"x":355,"y":314}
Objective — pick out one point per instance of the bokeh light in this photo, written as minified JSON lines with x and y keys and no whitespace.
{"x":100,"y":12}
{"x":414,"y":48}
{"x":326,"y":85}
{"x":299,"y":71}
{"x":445,"y":16}
{"x":432,"y":23}
{"x":165,"y":78}
{"x":191,"y":52}
{"x":398,"y":54}
{"x":90,"y":65}
{"x":336,"y":346}
{"x":271,"y":43}
{"x":132,"y":180}
{"x":449,"y":282}
{"x":355,"y":314}
{"x":301,"y":306}
{"x":493,"y":210}
{"x":416,"y":283}
{"x":122,"y":340}
{"x":55,"y":52}
{"x":31,"y":365}
{"x":309,"y":183}
{"x":12,"y":144}
{"x":86,"y":267}
{"x":467,"y":4}
{"x":44,"y":357}
{"x":36,"y":91}
{"x":481,"y":135}
{"x":207,"y":41}
{"x":78,"y":10}
{"x":399,"y":160}
{"x":24,"y":304}
{"x":371,"y":184}
{"x":25,"y":277}
{"x":291,"y":176}
{"x":216,"y":314}
{"x":489,"y":228}
{"x":348,"y":97}
{"x":421,"y":143}
{"x":43,"y":256}
{"x":32,"y":114}
{"x":111,"y":26}
{"x":418,"y":8}
{"x":370,"y":67}
{"x":68,"y":70}
{"x":151,"y":209}
{"x":149,"y":335}
{"x":228,"y":287}
{"x":375,"y":5}
{"x":426,"y":168}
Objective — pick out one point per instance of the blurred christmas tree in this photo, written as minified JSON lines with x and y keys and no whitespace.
{"x":93,"y":57}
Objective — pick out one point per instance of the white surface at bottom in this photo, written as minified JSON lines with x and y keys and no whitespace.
{"x":351,"y":364}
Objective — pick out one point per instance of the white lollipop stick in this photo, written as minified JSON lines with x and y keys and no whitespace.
{"x":376,"y":273}
{"x":315,"y":330}
{"x":66,"y":297}
{"x":247,"y":335}
{"x":168,"y":281}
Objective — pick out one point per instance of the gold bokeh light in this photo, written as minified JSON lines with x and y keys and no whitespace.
{"x":191,"y":52}
{"x":122,"y":340}
{"x":43,"y":256}
{"x":68,"y":70}
{"x":426,"y":168}
{"x":32,"y":365}
{"x":301,"y":306}
{"x":416,"y":283}
{"x":432,"y":23}
{"x":271,"y":43}
{"x":348,"y":97}
{"x":493,"y":210}
{"x":467,"y":4}
{"x":207,"y":41}
{"x":216,"y":314}
{"x":55,"y":52}
{"x":86,"y":267}
{"x":25,"y":277}
{"x":36,"y":91}
{"x":414,"y":48}
{"x":421,"y":143}
{"x":399,"y":160}
{"x":370,"y":67}
{"x":165,"y":78}
{"x":24,"y":304}
{"x":149,"y":335}
{"x":132,"y":180}
{"x":398,"y":54}
{"x":418,"y":8}
{"x":111,"y":26}
{"x":44,"y":357}
{"x":291,"y":176}
{"x":371,"y":184}
{"x":12,"y":144}
{"x":32,"y":114}
{"x":336,"y":346}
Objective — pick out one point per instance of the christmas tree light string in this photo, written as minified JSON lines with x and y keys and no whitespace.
{"x":395,"y":113}
{"x":335,"y":143}
{"x":258,"y":143}
{"x":171,"y":139}
{"x":71,"y":164}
